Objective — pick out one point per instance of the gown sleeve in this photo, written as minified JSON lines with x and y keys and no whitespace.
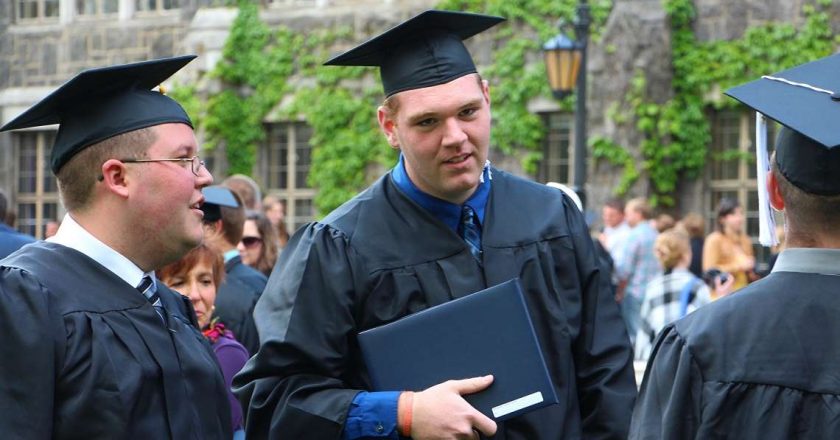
{"x":28,"y":356}
{"x":670,"y":397}
{"x":295,"y":385}
{"x":602,"y":352}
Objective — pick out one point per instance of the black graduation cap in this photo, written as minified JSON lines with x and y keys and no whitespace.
{"x":101,"y":103}
{"x":806,"y":101}
{"x":214,"y":198}
{"x":423,"y":51}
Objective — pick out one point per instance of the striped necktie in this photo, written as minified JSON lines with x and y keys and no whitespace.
{"x":148,"y":288}
{"x":469,"y":230}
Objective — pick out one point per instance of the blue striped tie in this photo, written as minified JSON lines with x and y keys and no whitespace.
{"x":148,"y":288}
{"x":470,"y":231}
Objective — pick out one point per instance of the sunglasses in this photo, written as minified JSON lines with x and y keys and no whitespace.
{"x":249,"y":242}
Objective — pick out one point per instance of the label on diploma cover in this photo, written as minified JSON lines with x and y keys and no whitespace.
{"x":517,"y":404}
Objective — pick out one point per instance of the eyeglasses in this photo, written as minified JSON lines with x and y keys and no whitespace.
{"x":249,"y":242}
{"x":196,"y":164}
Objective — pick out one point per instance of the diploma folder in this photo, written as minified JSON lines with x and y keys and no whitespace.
{"x":487,"y":332}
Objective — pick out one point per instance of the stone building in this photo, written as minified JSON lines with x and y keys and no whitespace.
{"x":44,"y":42}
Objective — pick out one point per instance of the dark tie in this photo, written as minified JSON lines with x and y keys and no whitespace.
{"x":149,"y":290}
{"x":470,"y":231}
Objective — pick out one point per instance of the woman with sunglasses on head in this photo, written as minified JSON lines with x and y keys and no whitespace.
{"x":196,"y":276}
{"x":258,"y":247}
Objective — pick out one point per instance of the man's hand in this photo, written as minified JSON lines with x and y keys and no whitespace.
{"x":440,"y":413}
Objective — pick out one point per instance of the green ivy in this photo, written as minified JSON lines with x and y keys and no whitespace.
{"x":676,"y":134}
{"x":253,"y":73}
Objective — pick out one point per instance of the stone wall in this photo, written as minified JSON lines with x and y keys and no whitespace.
{"x":636,"y":38}
{"x":49,"y":55}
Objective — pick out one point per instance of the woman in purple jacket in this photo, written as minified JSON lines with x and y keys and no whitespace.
{"x":196,"y":276}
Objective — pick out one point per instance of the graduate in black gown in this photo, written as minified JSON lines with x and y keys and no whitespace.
{"x":94,"y":347}
{"x":397,"y":248}
{"x":763,"y":362}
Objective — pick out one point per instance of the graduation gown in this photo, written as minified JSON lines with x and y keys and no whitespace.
{"x":254,"y":279}
{"x":380,"y":257}
{"x":235,"y":304}
{"x":85,"y":356}
{"x":763,"y":363}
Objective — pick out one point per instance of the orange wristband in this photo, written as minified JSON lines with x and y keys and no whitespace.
{"x":404,"y":408}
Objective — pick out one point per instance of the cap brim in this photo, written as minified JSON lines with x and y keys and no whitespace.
{"x":219,"y":195}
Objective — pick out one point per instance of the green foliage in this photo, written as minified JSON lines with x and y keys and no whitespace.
{"x":187,"y":96}
{"x":676,"y":134}
{"x":253,"y":72}
{"x":603,"y":148}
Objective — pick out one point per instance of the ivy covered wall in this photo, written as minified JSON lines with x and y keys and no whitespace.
{"x":649,"y":128}
{"x":673,"y":134}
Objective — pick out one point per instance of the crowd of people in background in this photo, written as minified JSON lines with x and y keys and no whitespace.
{"x":664,"y":268}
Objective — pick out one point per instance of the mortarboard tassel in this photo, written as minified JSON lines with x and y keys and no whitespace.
{"x":766,"y":221}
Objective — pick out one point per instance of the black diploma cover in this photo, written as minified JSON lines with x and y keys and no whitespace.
{"x":487,"y":332}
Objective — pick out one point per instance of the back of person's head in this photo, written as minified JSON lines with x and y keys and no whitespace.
{"x":726,"y":206}
{"x":274,"y":209}
{"x":639,"y":205}
{"x":670,"y":248}
{"x":694,"y":225}
{"x":233,"y":221}
{"x":664,"y":222}
{"x":247,"y":189}
{"x":807,"y":212}
{"x":76,"y":178}
{"x":269,"y":250}
{"x":200,"y":254}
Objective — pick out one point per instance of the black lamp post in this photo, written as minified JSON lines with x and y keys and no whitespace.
{"x":565,"y":62}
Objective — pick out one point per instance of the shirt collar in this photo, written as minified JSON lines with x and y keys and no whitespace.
{"x":74,"y":236}
{"x":229,"y":255}
{"x":808,"y":260}
{"x":447,"y":212}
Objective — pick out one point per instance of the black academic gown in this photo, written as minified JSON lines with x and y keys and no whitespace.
{"x":254,"y":279}
{"x":380,"y":257}
{"x":11,"y":240}
{"x":235,"y":301}
{"x":85,"y":356}
{"x":763,"y":363}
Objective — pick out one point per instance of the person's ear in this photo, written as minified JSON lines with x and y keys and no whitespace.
{"x":114,"y":176}
{"x":776,"y":200}
{"x":388,"y":126}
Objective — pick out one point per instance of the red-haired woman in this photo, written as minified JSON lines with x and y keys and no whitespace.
{"x":196,"y":276}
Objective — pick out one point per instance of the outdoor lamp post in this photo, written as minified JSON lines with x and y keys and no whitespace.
{"x":565,"y":62}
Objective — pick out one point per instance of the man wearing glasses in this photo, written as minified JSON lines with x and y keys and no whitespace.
{"x":94,"y":346}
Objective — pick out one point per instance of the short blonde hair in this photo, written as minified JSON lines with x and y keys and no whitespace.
{"x":640,"y":205}
{"x":670,"y":247}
